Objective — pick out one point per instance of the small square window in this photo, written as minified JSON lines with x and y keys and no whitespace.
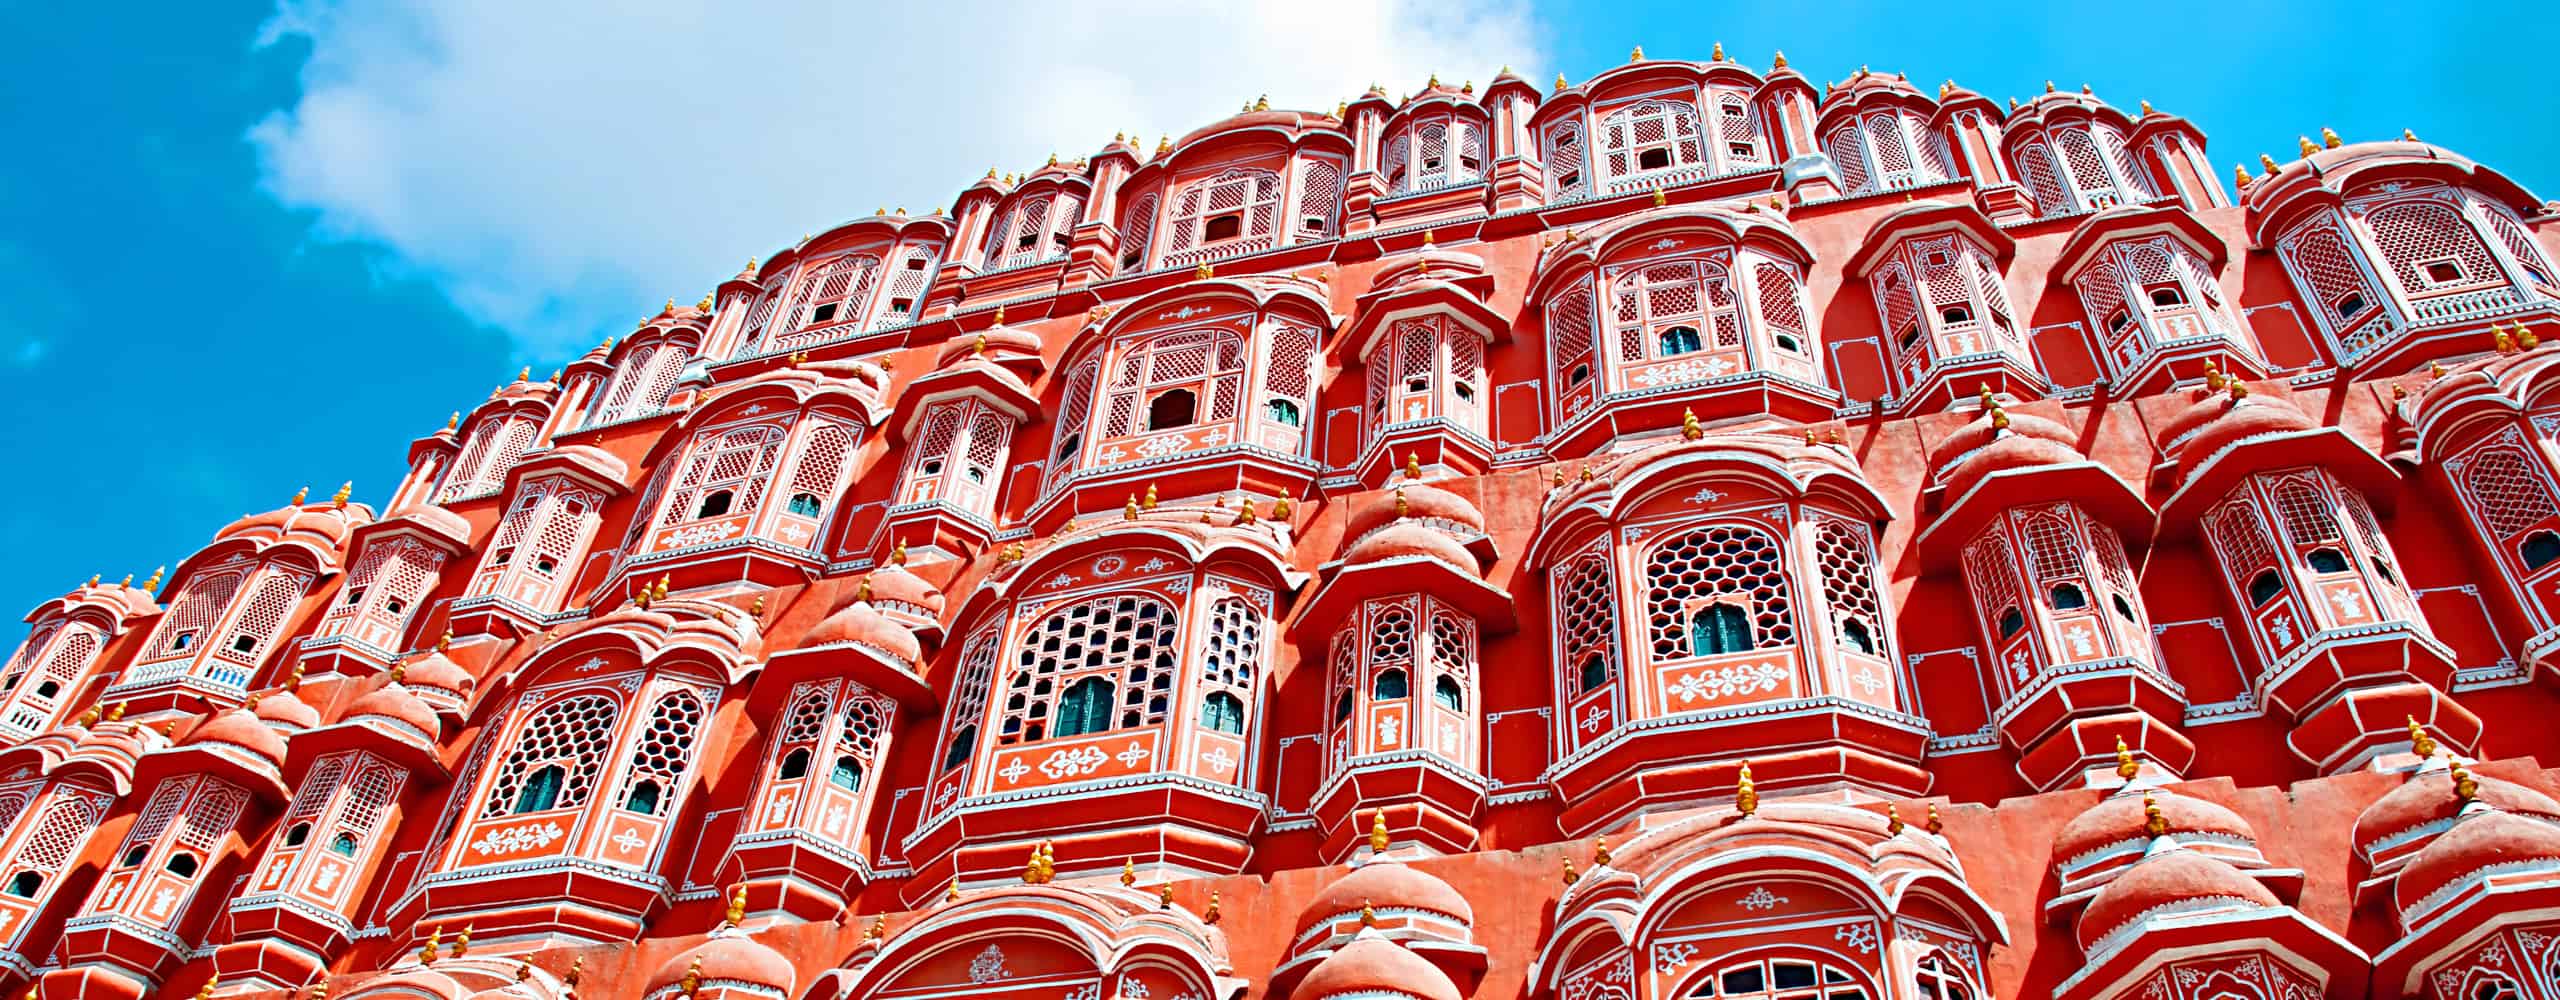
{"x":1222,"y":227}
{"x":2443,"y":272}
{"x":1741,"y":149}
{"x":915,"y":263}
{"x":823,"y":313}
{"x":244,"y":643}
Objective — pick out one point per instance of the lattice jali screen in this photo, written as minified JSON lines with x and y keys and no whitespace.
{"x":1568,"y":176}
{"x":1319,"y":197}
{"x":1586,"y":611}
{"x":2506,"y":490}
{"x":664,"y":749}
{"x":2240,"y":539}
{"x":59,"y":832}
{"x":1716,"y":564}
{"x":2304,"y":509}
{"x":1251,"y":196}
{"x":1128,"y":638}
{"x":1847,"y":560}
{"x":2418,"y":236}
{"x":2035,"y":164}
{"x":969,"y":693}
{"x":573,"y":732}
{"x":1846,"y":146}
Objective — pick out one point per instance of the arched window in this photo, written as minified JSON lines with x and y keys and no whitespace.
{"x":847,"y":774}
{"x":541,"y":790}
{"x":557,"y":756}
{"x":1651,"y":135}
{"x":293,"y":837}
{"x":1446,"y":693}
{"x":1586,"y":621}
{"x":1136,"y":225}
{"x":2011,"y":622}
{"x":2327,"y":561}
{"x":1085,"y":708}
{"x":343,"y":845}
{"x":804,"y":504}
{"x":1388,"y":684}
{"x":1342,"y":707}
{"x":1681,"y":340}
{"x":24,"y":885}
{"x":1223,"y":712}
{"x":661,"y":755}
{"x":1719,"y":628}
{"x":1938,"y":979}
{"x":1853,"y":634}
{"x":1170,"y":409}
{"x":182,"y":864}
{"x":2540,"y":549}
{"x":2265,"y":587}
{"x":2068,"y":597}
{"x":725,"y":473}
{"x":642,"y":797}
{"x":133,"y":856}
{"x":1779,"y":979}
{"x":1232,"y":213}
{"x":794,"y":764}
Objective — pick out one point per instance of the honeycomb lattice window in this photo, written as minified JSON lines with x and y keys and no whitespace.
{"x":1849,"y":581}
{"x":1127,"y":640}
{"x":572,"y":732}
{"x":662,"y":753}
{"x":2506,"y":490}
{"x":1585,"y":606}
{"x":1717,"y":564}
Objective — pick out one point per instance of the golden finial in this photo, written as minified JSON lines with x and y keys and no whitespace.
{"x":2408,"y":136}
{"x":1130,"y":512}
{"x":737,"y":906}
{"x":756,"y":610}
{"x":293,"y":681}
{"x":1046,"y":856}
{"x":462,"y":942}
{"x":344,"y":490}
{"x":205,"y":992}
{"x":2525,"y":337}
{"x":2465,"y":787}
{"x":89,"y":718}
{"x":320,"y":990}
{"x":399,"y":671}
{"x":1637,"y":55}
{"x":1378,"y":826}
{"x":1031,"y":868}
{"x":577,"y":970}
{"x":444,"y":640}
{"x":115,"y":712}
{"x":1205,"y":271}
{"x":1946,"y":88}
{"x":2085,"y":91}
{"x":153,"y":584}
{"x":95,"y":577}
{"x":1340,"y":109}
{"x":2126,"y":766}
{"x":692,"y":982}
{"x":2048,"y":86}
{"x":2328,"y":137}
{"x":1570,"y":876}
{"x":879,"y":928}
{"x":1999,"y":417}
{"x":435,"y":941}
{"x":1164,"y":896}
{"x":1810,"y":438}
{"x":301,"y":493}
{"x":2419,"y":742}
{"x":1780,"y":62}
{"x":2214,"y":380}
{"x":1892,"y":821}
{"x":2266,"y":164}
{"x":2308,"y":147}
{"x":705,"y":304}
{"x":2505,"y":344}
{"x":451,"y":421}
{"x":1412,"y":465}
{"x":2435,"y":369}
{"x":2013,"y":105}
{"x":1559,"y":478}
{"x":2146,"y":107}
{"x":1745,"y":796}
{"x":1689,"y":429}
{"x":1599,"y":851}
{"x":660,"y":592}
{"x":526,"y":372}
{"x":1150,"y":502}
{"x":2239,"y":390}
{"x":2240,"y":175}
{"x":1660,"y":197}
{"x":951,"y":893}
{"x":524,"y":972}
{"x":1934,"y":825}
{"x":1262,"y":103}
{"x":1561,"y":86}
{"x":1210,"y":915}
{"x":1402,"y":507}
{"x":1246,"y":517}
{"x":1280,"y":508}
{"x":1586,"y":474}
{"x":2399,"y":392}
{"x":2153,"y":823}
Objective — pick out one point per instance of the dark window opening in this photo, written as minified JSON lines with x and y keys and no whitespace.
{"x":2167,"y":295}
{"x":1028,"y":241}
{"x":541,"y":789}
{"x":2383,"y":570}
{"x":2540,"y":549}
{"x":794,"y":764}
{"x":963,"y":743}
{"x":1283,"y":411}
{"x":1388,"y":684}
{"x":715,"y":504}
{"x":394,"y":606}
{"x":244,"y":643}
{"x":1740,"y":149}
{"x":1595,"y":672}
{"x":803,"y":504}
{"x":1788,"y":343}
{"x":24,"y":884}
{"x":1568,"y":178}
{"x":355,"y":595}
{"x":2350,"y":305}
{"x":1171,"y":408}
{"x":45,"y":690}
{"x":1312,"y":223}
{"x":1067,"y":445}
{"x":901,"y":305}
{"x":184,"y":640}
{"x":544,"y":565}
{"x":2327,"y":561}
{"x":501,"y":556}
{"x":643,"y":798}
{"x":1681,"y":340}
{"x":932,"y":467}
{"x":1342,"y":708}
{"x":823,"y":313}
{"x":1789,"y":975}
{"x":1955,"y":314}
{"x":181,"y":864}
{"x":2124,"y":609}
{"x":2443,"y":272}
{"x":1085,"y":707}
{"x":2011,"y":622}
{"x":1719,"y":628}
{"x":2264,"y":587}
{"x":975,"y":474}
{"x":1446,"y":694}
{"x":1854,"y":634}
{"x":1417,"y":385}
{"x":135,"y":855}
{"x":1746,"y":979}
{"x":1222,"y":712}
{"x":2117,"y":321}
{"x":343,"y":845}
{"x":1653,"y":159}
{"x":1910,"y":336}
{"x":1579,"y":375}
{"x":293,"y":837}
{"x":847,"y":774}
{"x":1463,"y":390}
{"x":1222,"y":227}
{"x":2068,"y":597}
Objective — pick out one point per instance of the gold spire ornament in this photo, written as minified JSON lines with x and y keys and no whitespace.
{"x":1637,"y":55}
{"x":2526,"y":339}
{"x":1280,"y":508}
{"x":1934,"y":825}
{"x":2240,"y":175}
{"x":1660,"y":197}
{"x":1403,"y":507}
{"x":1570,"y":876}
{"x":2419,"y":742}
{"x":1378,"y":817}
{"x":2126,"y":766}
{"x":435,"y":942}
{"x":737,"y":906}
{"x":1689,"y":428}
{"x":345,"y":489}
{"x":1892,"y":821}
{"x":1210,"y":915}
{"x":211,"y":983}
{"x":2308,"y":147}
{"x":2146,"y":107}
{"x":1130,"y":511}
{"x":2153,"y":823}
{"x":462,"y":942}
{"x":1599,"y":851}
{"x":692,"y":982}
{"x":2505,"y":344}
{"x":2266,"y":164}
{"x":1247,"y":516}
{"x":1746,"y":797}
{"x":1205,"y":271}
{"x":154,"y":583}
{"x":1150,"y":502}
{"x":299,"y":494}
{"x":1164,"y":896}
{"x":2329,"y":137}
{"x":1780,"y":62}
{"x":1129,"y":872}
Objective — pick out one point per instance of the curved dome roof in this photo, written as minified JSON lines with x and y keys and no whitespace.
{"x":894,"y":584}
{"x":2482,"y":838}
{"x":2121,"y":818}
{"x":729,"y":956}
{"x":1422,"y":502}
{"x":2215,"y":422}
{"x":395,"y":701}
{"x":1998,"y":444}
{"x":287,"y":710}
{"x":2171,"y":877}
{"x":2427,"y":797}
{"x":858,"y":623}
{"x":1372,"y":965}
{"x":1397,"y":541}
{"x":242,"y":730}
{"x":1385,"y":884}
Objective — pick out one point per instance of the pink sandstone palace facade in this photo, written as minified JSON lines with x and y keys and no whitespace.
{"x":1693,"y":533}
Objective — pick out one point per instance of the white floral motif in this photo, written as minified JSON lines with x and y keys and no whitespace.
{"x":1159,"y":447}
{"x":1706,"y":495}
{"x":1150,"y":566}
{"x":1861,"y":936}
{"x":1070,"y":763}
{"x":988,"y":966}
{"x":1668,"y":958}
{"x":1218,"y":760}
{"x":628,"y":840}
{"x":517,"y":839}
{"x":1178,"y":587}
{"x":1131,"y":756}
{"x":1109,"y":565}
{"x":697,"y":534}
{"x":1760,"y":898}
{"x":1683,"y":371}
{"x":1013,"y":770}
{"x":1089,"y":991}
{"x":1132,"y":988}
{"x":1060,"y":580}
{"x":1728,"y":681}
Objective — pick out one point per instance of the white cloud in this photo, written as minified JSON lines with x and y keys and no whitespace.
{"x":560,"y":168}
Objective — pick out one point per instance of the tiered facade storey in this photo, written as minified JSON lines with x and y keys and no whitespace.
{"x":1686,"y":534}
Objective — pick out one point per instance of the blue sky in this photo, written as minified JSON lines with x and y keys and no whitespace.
{"x":247,"y":247}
